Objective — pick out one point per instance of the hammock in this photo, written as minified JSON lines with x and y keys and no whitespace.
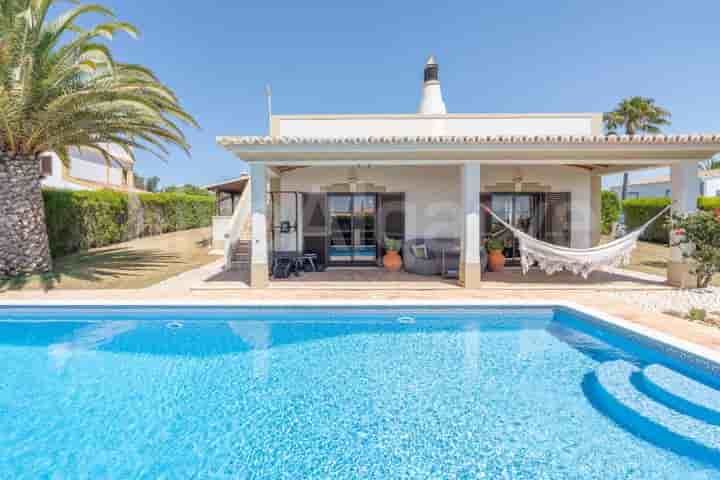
{"x":580,"y":261}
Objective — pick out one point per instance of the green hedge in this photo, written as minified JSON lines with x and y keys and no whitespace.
{"x":610,"y":210}
{"x":172,"y":212}
{"x":639,"y":211}
{"x":708,"y":203}
{"x":79,"y":220}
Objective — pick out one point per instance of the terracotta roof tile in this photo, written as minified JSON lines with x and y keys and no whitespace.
{"x":691,"y":139}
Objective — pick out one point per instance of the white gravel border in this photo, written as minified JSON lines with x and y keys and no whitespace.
{"x":676,"y":299}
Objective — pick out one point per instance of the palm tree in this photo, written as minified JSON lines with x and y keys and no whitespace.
{"x":635,"y":115}
{"x":61,"y":89}
{"x":712,"y":163}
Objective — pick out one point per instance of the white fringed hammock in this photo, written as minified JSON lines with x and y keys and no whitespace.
{"x":580,"y":261}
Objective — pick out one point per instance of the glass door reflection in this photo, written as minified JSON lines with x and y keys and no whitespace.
{"x":524,"y":211}
{"x":364,"y":241}
{"x":353,"y":231}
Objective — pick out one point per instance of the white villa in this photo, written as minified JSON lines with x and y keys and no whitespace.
{"x":88,"y":170}
{"x":661,"y":186}
{"x":337,"y":185}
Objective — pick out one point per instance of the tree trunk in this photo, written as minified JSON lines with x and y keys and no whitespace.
{"x":24,"y":246}
{"x":623,"y":192}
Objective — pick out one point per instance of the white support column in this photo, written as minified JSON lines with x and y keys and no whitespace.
{"x":685,"y":187}
{"x":470,"y":268}
{"x":595,"y":209}
{"x":259,"y":272}
{"x":276,"y":205}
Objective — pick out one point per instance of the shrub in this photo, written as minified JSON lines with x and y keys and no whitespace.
{"x":639,"y":211}
{"x":494,"y":245}
{"x":697,"y":314}
{"x":700,"y":231}
{"x":610,"y":211}
{"x":393,"y":245}
{"x":172,"y":212}
{"x":708,"y":203}
{"x":79,"y":220}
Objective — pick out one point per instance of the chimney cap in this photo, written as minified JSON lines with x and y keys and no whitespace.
{"x":431,"y":60}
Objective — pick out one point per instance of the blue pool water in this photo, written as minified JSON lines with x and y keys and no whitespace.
{"x":210,"y":393}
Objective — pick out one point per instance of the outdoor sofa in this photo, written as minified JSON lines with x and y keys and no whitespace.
{"x":436,"y":248}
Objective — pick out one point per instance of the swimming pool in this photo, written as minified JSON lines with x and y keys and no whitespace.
{"x":199,"y":392}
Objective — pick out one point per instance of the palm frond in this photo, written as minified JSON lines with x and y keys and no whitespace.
{"x":61,"y":87}
{"x":637,"y":114}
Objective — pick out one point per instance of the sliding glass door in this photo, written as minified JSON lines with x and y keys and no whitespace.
{"x":353,"y":228}
{"x":524,"y":211}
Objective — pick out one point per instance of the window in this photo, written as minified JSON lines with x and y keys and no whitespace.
{"x":46,"y":165}
{"x":225,"y":204}
{"x":633,"y":195}
{"x":667,"y":192}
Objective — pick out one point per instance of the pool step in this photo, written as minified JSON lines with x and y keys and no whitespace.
{"x":612,"y":390}
{"x":680,"y":393}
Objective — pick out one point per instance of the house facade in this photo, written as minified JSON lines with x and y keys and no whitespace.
{"x":89,"y":170}
{"x":337,"y":185}
{"x":661,"y":186}
{"x":227,"y":198}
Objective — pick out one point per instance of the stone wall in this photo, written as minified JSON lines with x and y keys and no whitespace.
{"x":23,"y":236}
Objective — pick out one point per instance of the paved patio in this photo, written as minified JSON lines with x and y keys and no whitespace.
{"x":379,"y":279}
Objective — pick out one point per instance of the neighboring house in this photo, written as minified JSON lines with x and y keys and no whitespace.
{"x":660,"y":186}
{"x":337,"y":185}
{"x":89,"y":170}
{"x":227,"y":198}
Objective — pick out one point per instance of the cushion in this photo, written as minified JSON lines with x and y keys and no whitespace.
{"x":420,"y":251}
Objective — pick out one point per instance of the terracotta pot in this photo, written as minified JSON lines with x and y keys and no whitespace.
{"x":496,"y":261}
{"x":392,"y":261}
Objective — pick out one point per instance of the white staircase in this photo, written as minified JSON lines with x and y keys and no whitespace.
{"x":239,"y":242}
{"x":240,"y":259}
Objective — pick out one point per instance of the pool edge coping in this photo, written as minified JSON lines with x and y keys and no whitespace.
{"x":647,"y":332}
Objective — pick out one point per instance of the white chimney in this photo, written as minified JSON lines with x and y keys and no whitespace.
{"x":432,"y":100}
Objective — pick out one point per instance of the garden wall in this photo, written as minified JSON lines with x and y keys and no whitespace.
{"x":79,"y":220}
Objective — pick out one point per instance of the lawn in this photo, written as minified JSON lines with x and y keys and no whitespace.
{"x":652,"y":258}
{"x":136,"y":264}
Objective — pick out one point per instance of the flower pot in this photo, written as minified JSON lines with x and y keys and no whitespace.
{"x":496,"y":261}
{"x":392,"y":261}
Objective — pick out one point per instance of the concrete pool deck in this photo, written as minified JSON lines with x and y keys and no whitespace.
{"x":598,"y":299}
{"x":601,"y":293}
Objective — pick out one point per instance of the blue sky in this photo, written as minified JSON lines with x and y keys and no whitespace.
{"x":367,"y":57}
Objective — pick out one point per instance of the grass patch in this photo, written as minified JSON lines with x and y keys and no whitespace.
{"x":653,"y":258}
{"x":131,"y":265}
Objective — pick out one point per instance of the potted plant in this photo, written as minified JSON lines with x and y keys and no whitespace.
{"x":496,"y":259}
{"x":392,"y":260}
